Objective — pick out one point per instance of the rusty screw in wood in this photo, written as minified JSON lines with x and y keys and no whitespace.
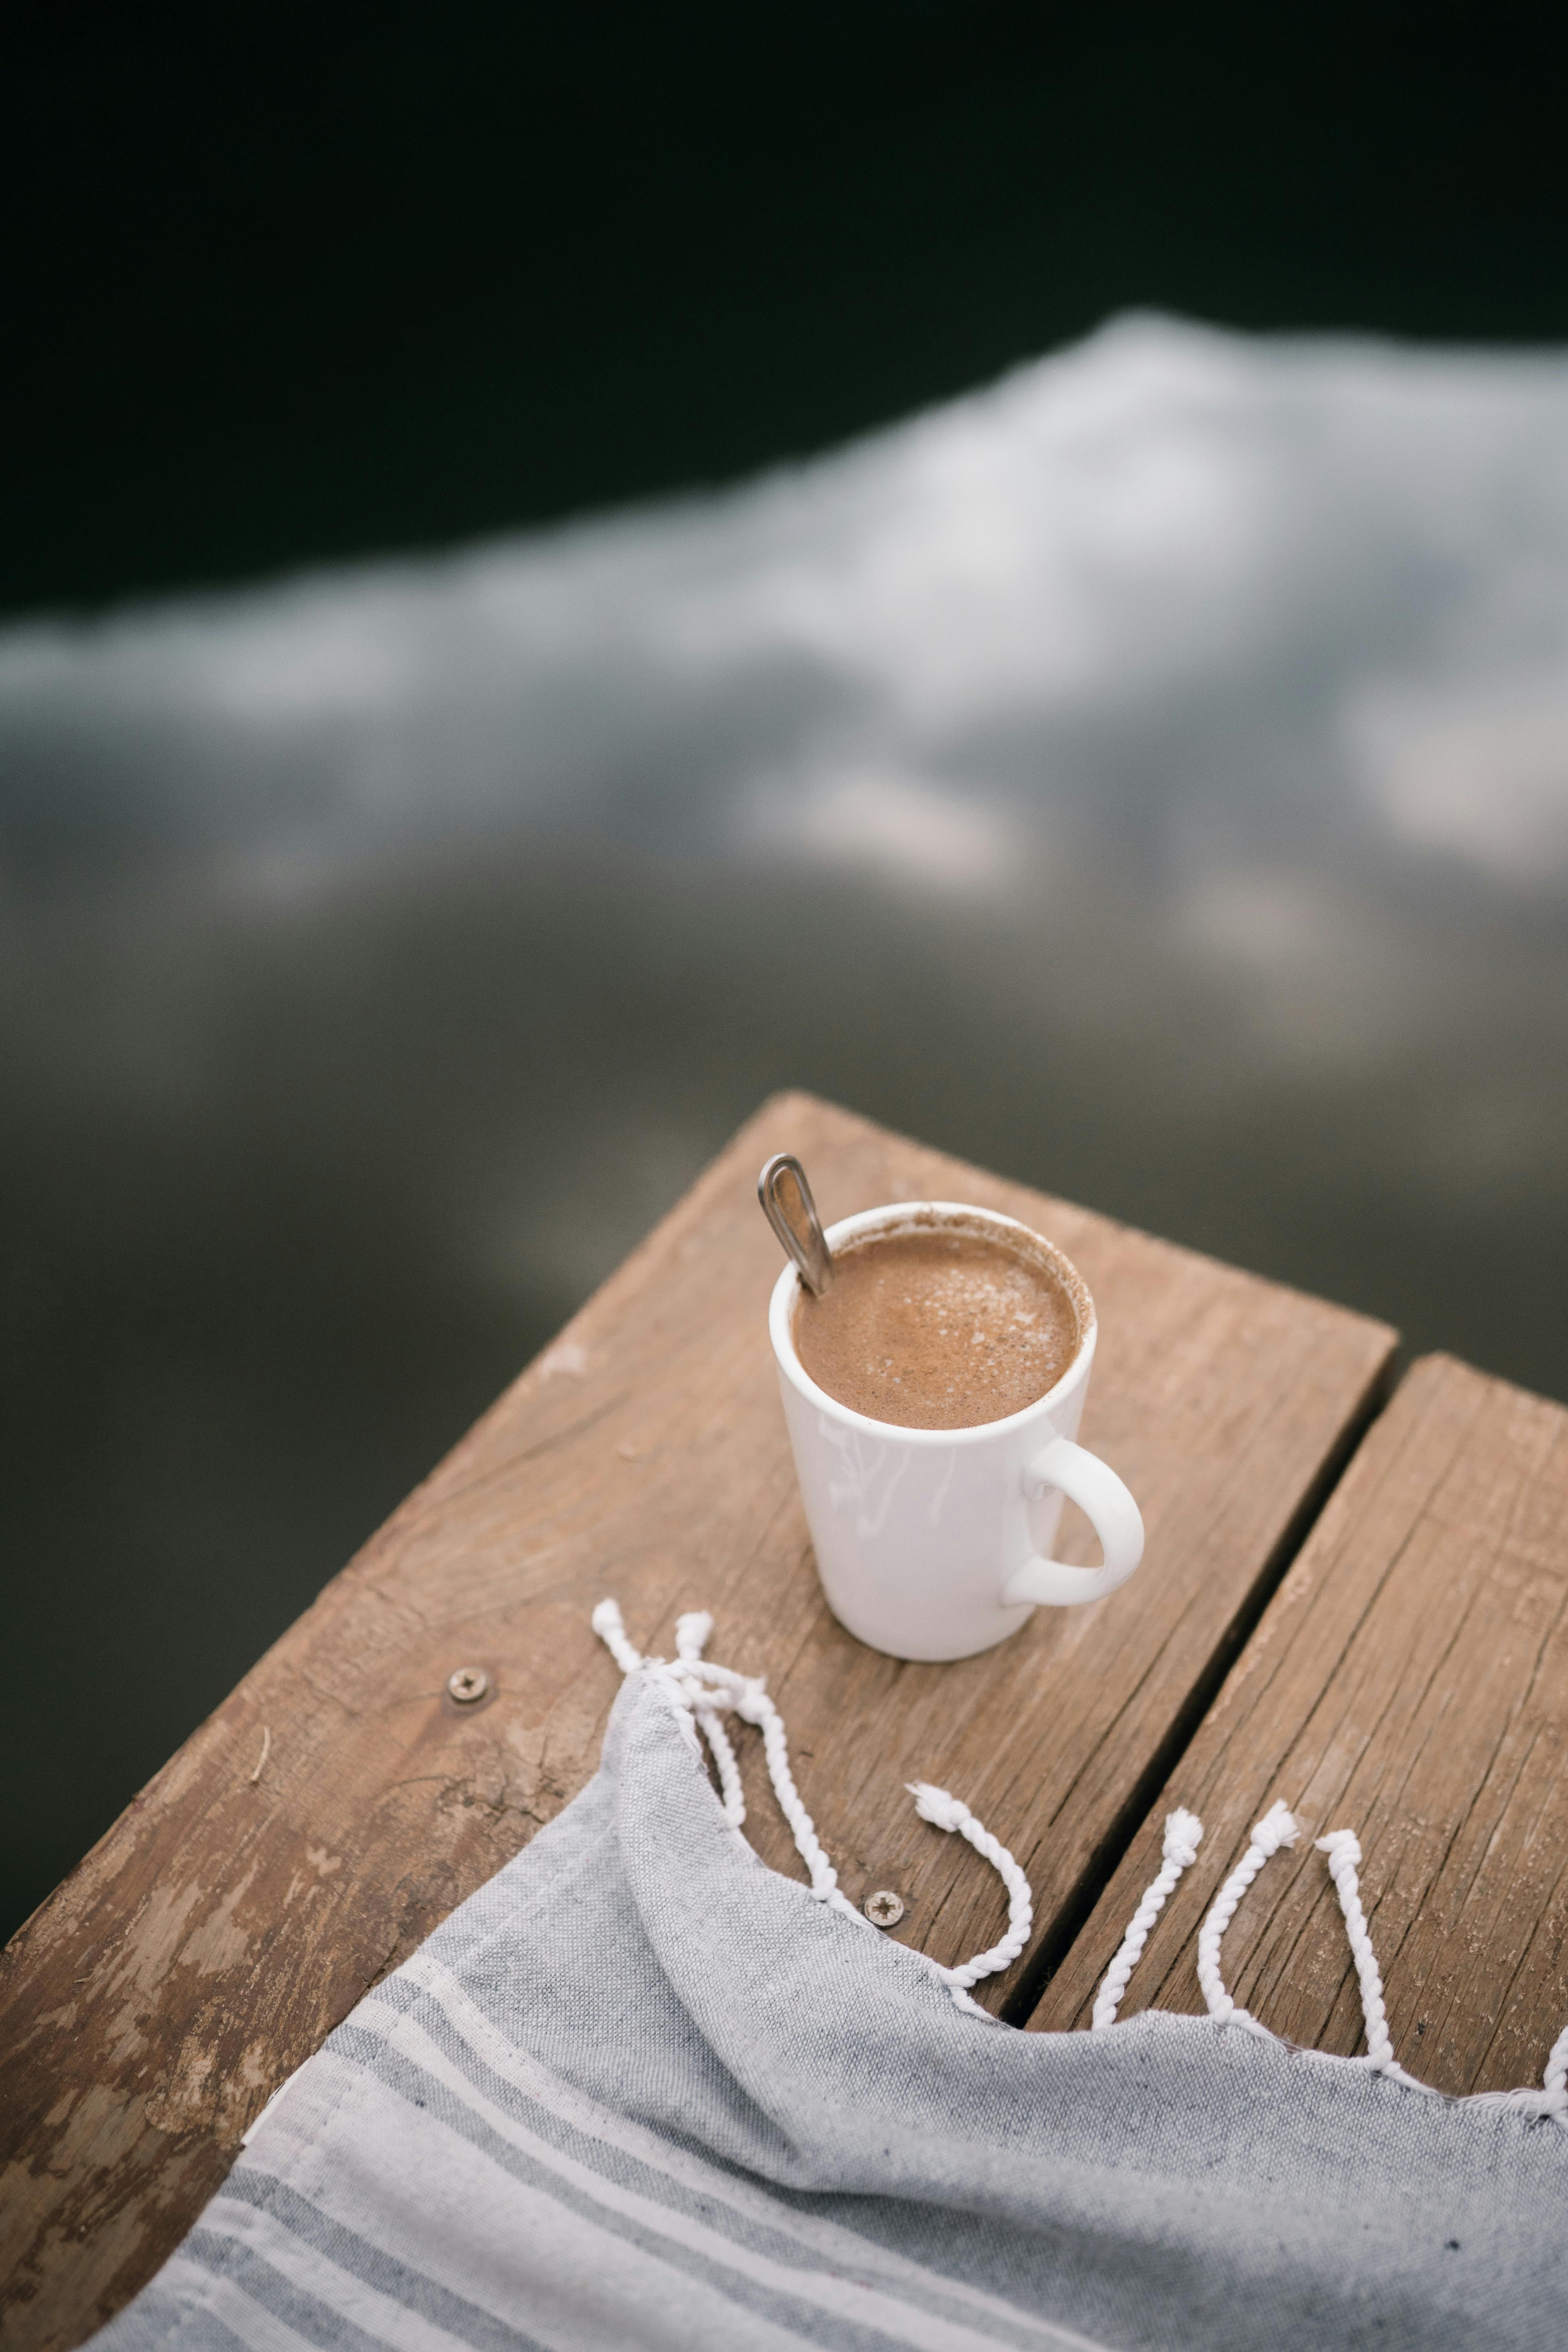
{"x":884,"y":1909}
{"x":468,"y":1685}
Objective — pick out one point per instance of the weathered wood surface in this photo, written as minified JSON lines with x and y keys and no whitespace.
{"x":234,"y":1914}
{"x":1409,"y":1681}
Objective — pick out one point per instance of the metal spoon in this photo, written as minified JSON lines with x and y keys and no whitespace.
{"x":799,"y":1229}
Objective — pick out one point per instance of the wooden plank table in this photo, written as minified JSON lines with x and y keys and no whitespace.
{"x":338,"y":1804}
{"x":1409,"y":1681}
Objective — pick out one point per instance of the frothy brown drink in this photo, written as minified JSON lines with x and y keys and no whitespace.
{"x":936,"y":1327}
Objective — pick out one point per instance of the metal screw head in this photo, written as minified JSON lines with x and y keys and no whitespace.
{"x":884,"y":1909}
{"x":468,"y":1685}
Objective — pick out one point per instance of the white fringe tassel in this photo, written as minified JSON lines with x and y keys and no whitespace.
{"x":699,"y":1691}
{"x":610,"y":1627}
{"x":1183,"y":1833}
{"x":1344,"y":1850}
{"x":691,"y":1633}
{"x":948,"y":1812}
{"x":1277,"y":1828}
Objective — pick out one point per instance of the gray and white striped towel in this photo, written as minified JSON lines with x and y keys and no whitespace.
{"x":641,"y":2090}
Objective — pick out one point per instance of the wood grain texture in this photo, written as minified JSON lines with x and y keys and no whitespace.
{"x":233,"y":1916}
{"x":1409,"y":1681}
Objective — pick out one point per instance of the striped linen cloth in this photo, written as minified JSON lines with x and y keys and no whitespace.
{"x":641,"y":2090}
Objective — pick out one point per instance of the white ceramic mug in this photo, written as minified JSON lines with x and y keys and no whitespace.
{"x":935,"y":1543}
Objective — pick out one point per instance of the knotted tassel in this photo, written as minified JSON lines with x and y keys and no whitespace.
{"x":1344,"y":1850}
{"x":948,"y":1812}
{"x":1183,"y":1831}
{"x":1277,"y":1828}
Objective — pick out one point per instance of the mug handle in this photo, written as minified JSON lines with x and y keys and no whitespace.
{"x":1111,"y":1509}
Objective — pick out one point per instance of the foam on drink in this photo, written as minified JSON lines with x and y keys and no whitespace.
{"x":938,"y":1326}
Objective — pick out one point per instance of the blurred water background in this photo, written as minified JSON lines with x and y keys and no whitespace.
{"x":1146,"y":773}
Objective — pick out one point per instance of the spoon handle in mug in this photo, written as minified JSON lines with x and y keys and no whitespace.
{"x":795,"y":1222}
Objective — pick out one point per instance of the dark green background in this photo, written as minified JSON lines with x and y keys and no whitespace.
{"x":284,"y":282}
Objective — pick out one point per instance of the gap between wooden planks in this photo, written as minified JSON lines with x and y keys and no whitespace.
{"x":1409,"y":1681}
{"x":234,"y":1915}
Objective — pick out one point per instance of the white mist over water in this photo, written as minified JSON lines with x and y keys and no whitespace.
{"x":1241,"y":667}
{"x":1332,"y":576}
{"x":1148,"y":776}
